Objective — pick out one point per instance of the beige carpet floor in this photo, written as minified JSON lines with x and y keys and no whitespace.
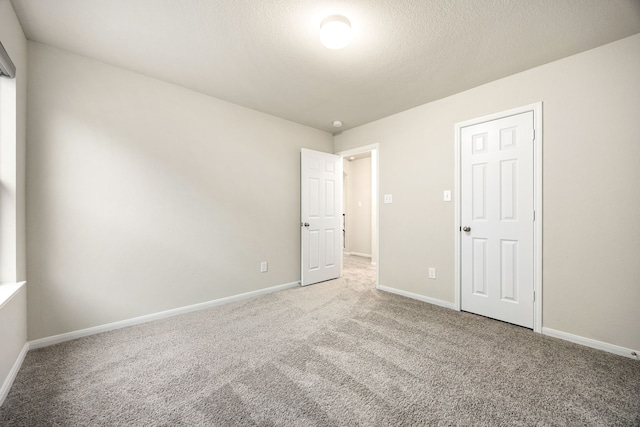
{"x":336,"y":353}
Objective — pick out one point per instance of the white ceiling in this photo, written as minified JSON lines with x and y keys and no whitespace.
{"x":265,"y":54}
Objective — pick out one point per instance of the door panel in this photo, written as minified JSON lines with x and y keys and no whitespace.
{"x":321,"y":196}
{"x":479,"y":254}
{"x":479,"y":191}
{"x":508,"y":270}
{"x":497,"y":259}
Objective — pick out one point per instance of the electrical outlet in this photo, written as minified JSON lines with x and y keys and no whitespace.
{"x":264,"y":267}
{"x":388,"y":198}
{"x":432,"y":273}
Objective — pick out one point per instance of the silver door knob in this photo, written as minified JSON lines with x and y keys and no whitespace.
{"x":467,"y":229}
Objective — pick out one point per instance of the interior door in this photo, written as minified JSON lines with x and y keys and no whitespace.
{"x":497,"y":218}
{"x":321,"y":216}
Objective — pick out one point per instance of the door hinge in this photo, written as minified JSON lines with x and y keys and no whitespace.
{"x":534,"y":296}
{"x":533,"y":134}
{"x":534,"y":215}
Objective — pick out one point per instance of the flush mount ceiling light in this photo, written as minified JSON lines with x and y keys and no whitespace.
{"x":337,"y":124}
{"x":335,"y":32}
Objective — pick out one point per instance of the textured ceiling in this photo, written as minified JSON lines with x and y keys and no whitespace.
{"x":266,"y":55}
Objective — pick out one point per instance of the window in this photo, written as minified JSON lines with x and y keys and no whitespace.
{"x":8,"y":172}
{"x":6,"y":65}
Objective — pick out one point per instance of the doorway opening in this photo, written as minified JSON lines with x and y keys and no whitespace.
{"x":360,"y":211}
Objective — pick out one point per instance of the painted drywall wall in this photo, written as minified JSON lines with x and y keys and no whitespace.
{"x":358,"y":207}
{"x":591,"y":105}
{"x":144,"y":196}
{"x":13,"y":338}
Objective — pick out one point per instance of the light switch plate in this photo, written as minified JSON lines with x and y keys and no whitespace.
{"x":432,"y":273}
{"x":447,"y":196}
{"x":388,"y":198}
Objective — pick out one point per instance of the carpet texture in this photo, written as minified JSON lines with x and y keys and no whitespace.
{"x":335,"y":353}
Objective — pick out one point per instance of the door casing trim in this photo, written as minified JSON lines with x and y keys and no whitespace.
{"x":536,"y":108}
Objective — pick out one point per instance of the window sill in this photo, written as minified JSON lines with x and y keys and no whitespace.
{"x":8,"y":290}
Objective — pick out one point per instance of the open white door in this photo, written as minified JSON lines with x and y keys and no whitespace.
{"x":497,"y":218}
{"x":321,"y":216}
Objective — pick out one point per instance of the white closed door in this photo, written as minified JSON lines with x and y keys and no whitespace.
{"x":497,"y":219}
{"x":321,"y":216}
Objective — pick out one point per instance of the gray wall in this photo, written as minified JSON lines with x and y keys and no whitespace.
{"x":591,"y":104}
{"x":144,"y":196}
{"x":358,"y":206}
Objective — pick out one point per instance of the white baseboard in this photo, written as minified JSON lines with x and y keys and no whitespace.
{"x":611,"y":348}
{"x":418,"y":297}
{"x":588,"y":342}
{"x":8,"y":382}
{"x":56,"y":339}
{"x":360,"y":254}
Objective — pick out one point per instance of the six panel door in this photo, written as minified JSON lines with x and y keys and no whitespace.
{"x":497,"y":204}
{"x":321,"y":215}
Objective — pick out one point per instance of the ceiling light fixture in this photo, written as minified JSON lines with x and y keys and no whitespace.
{"x":337,"y":124}
{"x":335,"y":32}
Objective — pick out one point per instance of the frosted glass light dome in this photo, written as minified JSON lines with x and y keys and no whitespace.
{"x":335,"y":32}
